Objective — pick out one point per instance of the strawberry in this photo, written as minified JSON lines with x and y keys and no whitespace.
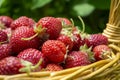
{"x":73,"y":32}
{"x":3,"y":36}
{"x":10,"y":65}
{"x":5,"y":21}
{"x":79,"y":38}
{"x":77,"y":42}
{"x":54,"y":50}
{"x":96,"y":39}
{"x":66,"y":40}
{"x":22,"y":21}
{"x":33,"y":56}
{"x":13,"y":65}
{"x":64,"y":21}
{"x":52,"y":25}
{"x":101,"y":51}
{"x":5,"y":50}
{"x":17,"y":39}
{"x":76,"y":58}
{"x":8,"y":31}
{"x":54,"y":67}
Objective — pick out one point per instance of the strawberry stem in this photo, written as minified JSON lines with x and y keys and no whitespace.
{"x":39,"y":32}
{"x":37,"y":65}
{"x":30,"y":37}
{"x":72,"y":22}
{"x":3,"y":42}
{"x":83,"y":24}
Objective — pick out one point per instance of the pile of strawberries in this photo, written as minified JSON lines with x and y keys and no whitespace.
{"x":51,"y":44}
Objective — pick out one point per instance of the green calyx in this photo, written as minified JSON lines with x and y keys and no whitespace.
{"x":64,"y":25}
{"x":41,"y":32}
{"x":66,"y":29}
{"x":87,"y":50}
{"x":39,"y":29}
{"x":85,"y":36}
{"x":28,"y":66}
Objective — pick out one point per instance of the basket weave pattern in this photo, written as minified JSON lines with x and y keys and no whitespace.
{"x":112,"y":30}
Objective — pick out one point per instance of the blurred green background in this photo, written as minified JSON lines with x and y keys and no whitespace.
{"x":95,"y":13}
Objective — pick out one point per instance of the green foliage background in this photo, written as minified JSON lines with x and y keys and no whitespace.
{"x":95,"y":13}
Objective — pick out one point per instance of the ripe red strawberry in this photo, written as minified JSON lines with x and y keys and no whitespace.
{"x":22,"y":21}
{"x":8,"y":31}
{"x":3,"y":36}
{"x":74,"y":33}
{"x":5,"y":50}
{"x":97,"y":39}
{"x":52,"y":25}
{"x":5,"y":21}
{"x":33,"y":56}
{"x":76,"y":58}
{"x":54,"y":67}
{"x":75,"y":36}
{"x":10,"y":65}
{"x":54,"y":50}
{"x":13,"y":65}
{"x":66,"y":40}
{"x":77,"y":42}
{"x":64,"y":21}
{"x":101,"y":51}
{"x":18,"y":43}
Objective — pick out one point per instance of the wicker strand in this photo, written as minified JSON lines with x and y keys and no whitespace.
{"x":34,"y":74}
{"x":66,"y":71}
{"x":99,"y":70}
{"x":112,"y":30}
{"x":108,"y":71}
{"x":84,"y":69}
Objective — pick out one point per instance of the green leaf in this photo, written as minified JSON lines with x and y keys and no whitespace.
{"x":100,"y":4}
{"x":40,"y":3}
{"x":1,"y":2}
{"x":84,"y":9}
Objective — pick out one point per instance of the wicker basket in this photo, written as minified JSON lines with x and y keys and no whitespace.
{"x":107,"y":69}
